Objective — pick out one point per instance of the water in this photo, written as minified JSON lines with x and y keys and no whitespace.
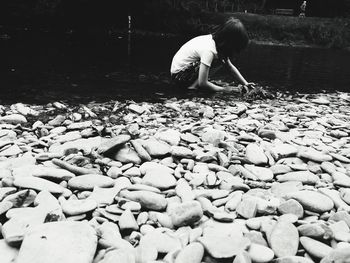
{"x":42,"y":67}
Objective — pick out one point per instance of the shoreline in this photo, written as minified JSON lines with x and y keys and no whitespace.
{"x":154,"y":173}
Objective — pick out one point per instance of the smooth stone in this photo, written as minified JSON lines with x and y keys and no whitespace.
{"x":284,"y":239}
{"x":260,"y":254}
{"x":137,"y":108}
{"x":89,"y":181}
{"x":344,"y":194}
{"x":13,"y":119}
{"x":105,"y":196}
{"x":340,"y":231}
{"x":169,"y":136}
{"x":148,"y":200}
{"x":234,"y":201}
{"x":8,"y":253}
{"x":77,"y":207}
{"x":11,"y":151}
{"x":193,"y":253}
{"x":118,"y":255}
{"x":132,"y":172}
{"x":280,"y":169}
{"x":186,"y":213}
{"x":112,"y":145}
{"x":213,"y":136}
{"x":291,"y":206}
{"x":242,"y":257}
{"x":79,"y":125}
{"x":341,"y":216}
{"x":127,"y":221}
{"x":5,"y":206}
{"x":315,"y":155}
{"x":38,"y":184}
{"x":224,"y":216}
{"x":159,"y":179}
{"x":215,"y":228}
{"x":184,"y":190}
{"x":256,"y":238}
{"x":291,"y":218}
{"x":59,"y":242}
{"x":140,"y":150}
{"x":149,"y":166}
{"x":304,"y":177}
{"x":181,"y":152}
{"x":335,"y":196}
{"x":84,"y":145}
{"x":155,"y":147}
{"x":328,"y":167}
{"x":133,"y":206}
{"x":341,"y":179}
{"x":312,"y":201}
{"x":311,"y":230}
{"x":164,"y":242}
{"x":109,"y":234}
{"x":127,"y":155}
{"x":21,"y":198}
{"x":283,"y":150}
{"x":293,"y":259}
{"x":255,"y":154}
{"x":262,"y":173}
{"x":51,"y":173}
{"x":145,"y":253}
{"x":247,"y":207}
{"x":338,"y":255}
{"x":281,"y":189}
{"x":224,"y":246}
{"x":315,"y":248}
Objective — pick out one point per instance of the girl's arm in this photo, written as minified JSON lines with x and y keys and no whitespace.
{"x":236,"y":72}
{"x":203,"y":81}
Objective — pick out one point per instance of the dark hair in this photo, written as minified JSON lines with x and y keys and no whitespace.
{"x":230,"y":37}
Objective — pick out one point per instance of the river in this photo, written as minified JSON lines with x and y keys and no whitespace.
{"x":39,"y":67}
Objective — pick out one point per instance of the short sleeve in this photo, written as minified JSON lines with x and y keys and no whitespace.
{"x":207,"y":57}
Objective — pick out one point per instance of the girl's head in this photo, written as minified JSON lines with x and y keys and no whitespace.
{"x":230,"y":38}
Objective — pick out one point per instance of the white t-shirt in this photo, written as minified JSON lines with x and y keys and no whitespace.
{"x":201,"y":48}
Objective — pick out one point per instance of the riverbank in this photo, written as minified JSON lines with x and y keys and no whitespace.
{"x":288,"y":30}
{"x":209,"y":179}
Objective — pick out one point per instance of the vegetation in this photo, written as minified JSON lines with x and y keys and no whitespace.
{"x":184,"y":17}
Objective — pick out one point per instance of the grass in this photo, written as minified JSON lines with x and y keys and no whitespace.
{"x":325,"y":32}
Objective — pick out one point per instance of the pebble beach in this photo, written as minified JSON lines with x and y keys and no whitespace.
{"x":179,"y":181}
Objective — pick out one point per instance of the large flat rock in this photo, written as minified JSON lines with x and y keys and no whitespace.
{"x":58,"y":242}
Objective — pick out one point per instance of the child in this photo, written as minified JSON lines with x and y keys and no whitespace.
{"x":191,"y":64}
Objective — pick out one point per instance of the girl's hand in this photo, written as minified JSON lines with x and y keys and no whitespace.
{"x":228,"y":89}
{"x":248,"y":87}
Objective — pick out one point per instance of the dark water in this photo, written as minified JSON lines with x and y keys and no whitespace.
{"x":42,"y":67}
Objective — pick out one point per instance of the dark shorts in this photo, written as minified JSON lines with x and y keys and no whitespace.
{"x":187,"y":76}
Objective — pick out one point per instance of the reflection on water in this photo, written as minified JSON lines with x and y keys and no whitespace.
{"x":45,"y":67}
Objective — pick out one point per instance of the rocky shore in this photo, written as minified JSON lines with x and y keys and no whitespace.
{"x":184,"y":181}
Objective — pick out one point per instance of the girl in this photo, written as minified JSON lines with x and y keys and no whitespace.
{"x":191,"y":64}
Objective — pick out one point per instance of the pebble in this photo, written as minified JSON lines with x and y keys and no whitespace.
{"x":255,"y":154}
{"x":59,"y":242}
{"x":159,"y":179}
{"x":260,"y":254}
{"x":148,"y":200}
{"x":312,"y":201}
{"x":284,"y":239}
{"x":291,"y":206}
{"x":89,"y":181}
{"x":177,"y":181}
{"x":185,"y":213}
{"x":315,"y":248}
{"x":193,"y":253}
{"x":221,"y":247}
